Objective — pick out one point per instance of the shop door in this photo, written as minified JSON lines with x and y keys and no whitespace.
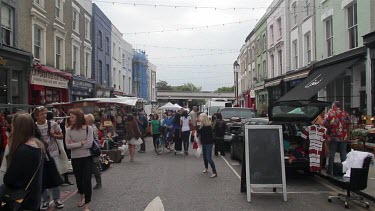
{"x":3,"y":86}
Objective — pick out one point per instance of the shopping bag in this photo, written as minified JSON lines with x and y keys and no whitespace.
{"x":62,"y":161}
{"x":195,"y":145}
{"x":198,"y":152}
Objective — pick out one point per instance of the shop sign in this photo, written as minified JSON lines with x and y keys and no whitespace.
{"x":295,"y":82}
{"x":77,"y":83}
{"x":315,"y":81}
{"x":43,"y":78}
{"x":79,"y":93}
{"x":3,"y":61}
{"x":252,"y":93}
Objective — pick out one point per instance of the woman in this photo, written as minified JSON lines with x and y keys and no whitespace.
{"x":176,"y":130}
{"x":133,"y":135}
{"x":207,"y":140}
{"x":155,"y":124}
{"x":89,"y":119}
{"x":25,"y":159}
{"x":219,"y":132}
{"x":185,"y":122}
{"x":79,"y":138}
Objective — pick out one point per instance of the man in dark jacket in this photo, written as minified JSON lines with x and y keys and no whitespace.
{"x":142,"y":124}
{"x":219,"y":132}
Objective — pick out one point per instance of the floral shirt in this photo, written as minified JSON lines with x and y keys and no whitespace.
{"x":337,"y":122}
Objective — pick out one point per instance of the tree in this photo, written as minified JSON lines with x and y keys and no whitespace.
{"x":163,"y":85}
{"x":188,"y":87}
{"x":225,"y":89}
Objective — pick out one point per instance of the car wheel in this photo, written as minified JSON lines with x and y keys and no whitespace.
{"x":232,"y":155}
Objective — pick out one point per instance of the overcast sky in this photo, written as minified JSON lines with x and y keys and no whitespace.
{"x":211,"y":51}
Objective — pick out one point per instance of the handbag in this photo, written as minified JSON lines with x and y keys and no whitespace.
{"x":51,"y":176}
{"x":11,"y":199}
{"x":136,"y":141}
{"x":95,"y":148}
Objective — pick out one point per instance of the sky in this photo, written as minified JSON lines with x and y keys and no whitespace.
{"x":202,"y":56}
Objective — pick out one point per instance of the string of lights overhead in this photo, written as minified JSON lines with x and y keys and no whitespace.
{"x":183,"y":48}
{"x":191,"y":56}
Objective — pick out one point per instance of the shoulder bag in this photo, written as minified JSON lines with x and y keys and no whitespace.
{"x":11,"y":199}
{"x":95,"y":149}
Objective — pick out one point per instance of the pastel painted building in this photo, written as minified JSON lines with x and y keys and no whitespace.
{"x":127,"y":68}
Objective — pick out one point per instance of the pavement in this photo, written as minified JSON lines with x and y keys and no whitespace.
{"x":176,"y":183}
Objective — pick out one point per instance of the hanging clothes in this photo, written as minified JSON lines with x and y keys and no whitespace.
{"x":316,"y":134}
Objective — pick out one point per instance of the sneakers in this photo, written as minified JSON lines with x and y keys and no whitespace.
{"x":186,"y":153}
{"x":45,"y":206}
{"x":213,"y":175}
{"x":141,"y":151}
{"x":205,"y":171}
{"x":58,"y":204}
{"x":97,"y":186}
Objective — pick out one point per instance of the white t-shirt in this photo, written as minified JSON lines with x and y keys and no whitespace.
{"x":52,"y":147}
{"x":185,"y":123}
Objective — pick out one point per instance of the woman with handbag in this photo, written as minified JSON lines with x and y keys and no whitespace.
{"x":133,"y":135}
{"x":89,"y":118}
{"x":186,"y":127}
{"x":79,"y":138}
{"x":23,"y":177}
{"x":50,"y":131}
{"x":207,"y":140}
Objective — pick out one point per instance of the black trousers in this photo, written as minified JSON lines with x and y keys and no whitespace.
{"x":143,"y":145}
{"x":155,"y":137}
{"x":219,"y":145}
{"x":177,"y":140}
{"x":82,"y":171}
{"x":185,"y":139}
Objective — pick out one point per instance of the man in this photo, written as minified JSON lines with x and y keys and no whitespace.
{"x":142,"y":124}
{"x":193,"y":116}
{"x":337,"y":122}
{"x":168,"y":120}
{"x":50,"y":131}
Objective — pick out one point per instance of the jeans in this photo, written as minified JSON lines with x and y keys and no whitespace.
{"x":143,"y":145}
{"x":185,"y":139}
{"x":55,"y":194}
{"x":155,"y":137}
{"x":82,"y":172}
{"x":333,"y":147}
{"x":207,"y":156}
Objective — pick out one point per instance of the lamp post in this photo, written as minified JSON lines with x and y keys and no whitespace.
{"x":236,"y":68}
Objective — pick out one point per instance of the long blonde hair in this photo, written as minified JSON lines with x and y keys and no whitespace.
{"x":204,"y":120}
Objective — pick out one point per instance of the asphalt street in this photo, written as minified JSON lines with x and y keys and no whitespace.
{"x":180,"y":184}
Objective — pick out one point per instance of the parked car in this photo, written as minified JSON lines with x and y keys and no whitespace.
{"x":235,"y":118}
{"x":294,"y":116}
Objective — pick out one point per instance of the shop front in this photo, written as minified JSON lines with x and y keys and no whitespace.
{"x":369,"y":42}
{"x":103,"y":91}
{"x":82,"y":88}
{"x":275,"y":88}
{"x":14,"y":69}
{"x":48,"y":85}
{"x":261,"y":98}
{"x":293,"y":78}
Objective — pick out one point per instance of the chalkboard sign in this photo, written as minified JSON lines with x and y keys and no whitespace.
{"x":264,"y":154}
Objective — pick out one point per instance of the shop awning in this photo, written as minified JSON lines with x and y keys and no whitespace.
{"x":273,"y":82}
{"x":53,"y":70}
{"x":317,"y":80}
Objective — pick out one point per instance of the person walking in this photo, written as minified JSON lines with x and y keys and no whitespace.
{"x":193,"y":116}
{"x":133,"y":135}
{"x":219,"y":132}
{"x":25,"y":161}
{"x":155,"y":124}
{"x":207,"y":140}
{"x":142,"y":124}
{"x":337,"y":122}
{"x":90,"y":120}
{"x":185,"y":122}
{"x":176,"y":131}
{"x":79,"y":138}
{"x":50,"y":131}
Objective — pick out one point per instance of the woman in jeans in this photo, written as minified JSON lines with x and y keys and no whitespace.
{"x":79,"y":138}
{"x":185,"y":128}
{"x":207,"y":140}
{"x":25,"y":161}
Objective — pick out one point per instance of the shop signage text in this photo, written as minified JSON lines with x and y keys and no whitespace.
{"x":315,"y":81}
{"x":43,"y":78}
{"x":77,"y":83}
{"x":3,"y":62}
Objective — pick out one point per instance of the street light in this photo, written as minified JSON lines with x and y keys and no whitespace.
{"x":236,"y":68}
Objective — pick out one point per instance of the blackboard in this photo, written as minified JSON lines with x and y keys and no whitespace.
{"x":264,"y":154}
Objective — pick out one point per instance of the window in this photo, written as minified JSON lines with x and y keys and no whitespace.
{"x":119,"y":54}
{"x":308,"y":7}
{"x":264,"y":69}
{"x":114,"y":50}
{"x":272,"y":33}
{"x":264,"y":42}
{"x":272,"y":66}
{"x":295,"y":54}
{"x":308,"y":47}
{"x":6,"y":24}
{"x":87,"y":29}
{"x":100,"y":39}
{"x":75,"y":60}
{"x":329,"y":36}
{"x":123,"y":60}
{"x":108,"y":75}
{"x":107,"y":44}
{"x":37,"y":43}
{"x":119,"y":79}
{"x":58,"y":53}
{"x":280,"y":54}
{"x":100,"y":72}
{"x":259,"y":75}
{"x":353,"y":26}
{"x":129,"y":85}
{"x":87,"y":62}
{"x":280,"y":27}
{"x":114,"y":76}
{"x":58,"y":8}
{"x":259,"y":46}
{"x":75,"y":20}
{"x":294,"y":13}
{"x":39,"y":2}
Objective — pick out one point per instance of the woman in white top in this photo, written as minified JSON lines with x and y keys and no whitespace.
{"x":79,"y":139}
{"x":185,"y":128}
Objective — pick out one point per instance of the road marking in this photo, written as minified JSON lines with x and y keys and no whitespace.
{"x":234,"y":171}
{"x":155,"y":205}
{"x":372,"y":178}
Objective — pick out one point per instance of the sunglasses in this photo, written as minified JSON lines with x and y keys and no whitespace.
{"x":39,"y":108}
